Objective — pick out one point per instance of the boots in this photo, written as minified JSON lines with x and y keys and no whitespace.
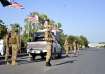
{"x":48,"y":64}
{"x":67,"y":55}
{"x":14,"y":63}
{"x":7,"y":63}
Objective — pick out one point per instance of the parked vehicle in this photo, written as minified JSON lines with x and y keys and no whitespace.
{"x":38,"y":46}
{"x":1,"y":47}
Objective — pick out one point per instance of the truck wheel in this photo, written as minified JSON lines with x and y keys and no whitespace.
{"x":33,"y":56}
{"x":43,"y":55}
{"x":59,"y":55}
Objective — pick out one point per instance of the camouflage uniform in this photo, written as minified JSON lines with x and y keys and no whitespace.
{"x":7,"y":44}
{"x":76,"y":47}
{"x":15,"y":46}
{"x":70,"y":48}
{"x":49,"y":39}
{"x":66,"y":46}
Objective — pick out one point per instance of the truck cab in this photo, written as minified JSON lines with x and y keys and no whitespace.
{"x":38,"y":46}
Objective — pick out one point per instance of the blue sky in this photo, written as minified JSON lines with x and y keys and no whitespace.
{"x":78,"y":17}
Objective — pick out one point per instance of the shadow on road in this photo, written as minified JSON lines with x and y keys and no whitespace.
{"x":21,"y":61}
{"x":2,"y":62}
{"x":26,"y":60}
{"x":69,"y":61}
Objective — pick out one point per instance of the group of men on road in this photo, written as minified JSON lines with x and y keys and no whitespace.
{"x":71,"y":48}
{"x":12,"y":45}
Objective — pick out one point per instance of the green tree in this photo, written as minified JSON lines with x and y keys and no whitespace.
{"x":34,"y":26}
{"x":16,"y":27}
{"x":71,"y":39}
{"x":29,"y":27}
{"x":62,"y":39}
{"x":84,"y":41}
{"x":42,"y":18}
{"x":3,"y":29}
{"x":59,"y":25}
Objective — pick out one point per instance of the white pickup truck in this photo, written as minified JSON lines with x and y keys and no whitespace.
{"x":39,"y":45}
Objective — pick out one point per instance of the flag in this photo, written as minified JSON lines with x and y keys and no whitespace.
{"x":5,"y":3}
{"x":16,"y":5}
{"x":33,"y":18}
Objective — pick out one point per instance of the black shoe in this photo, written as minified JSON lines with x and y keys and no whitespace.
{"x":67,"y":55}
{"x":48,"y":64}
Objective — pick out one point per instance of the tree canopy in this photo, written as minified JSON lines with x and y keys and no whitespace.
{"x":3,"y":29}
{"x":35,"y":21}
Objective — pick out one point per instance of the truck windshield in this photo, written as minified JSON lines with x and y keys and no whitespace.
{"x":38,"y":36}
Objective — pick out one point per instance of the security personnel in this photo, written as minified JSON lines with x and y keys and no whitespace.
{"x":8,"y":47}
{"x":49,"y":39}
{"x":76,"y":47}
{"x":15,"y":43}
{"x":66,"y":47}
{"x":70,"y":48}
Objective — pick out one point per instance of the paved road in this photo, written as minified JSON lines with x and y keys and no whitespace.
{"x":89,"y":61}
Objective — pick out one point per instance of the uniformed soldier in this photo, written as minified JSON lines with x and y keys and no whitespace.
{"x":66,"y":47}
{"x":70,"y":48}
{"x":8,"y":47}
{"x":76,"y":47}
{"x":49,"y":39}
{"x":15,"y":45}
